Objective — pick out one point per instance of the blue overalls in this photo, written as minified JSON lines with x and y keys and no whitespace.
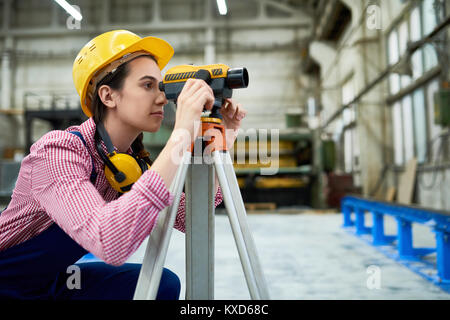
{"x":39,"y":269}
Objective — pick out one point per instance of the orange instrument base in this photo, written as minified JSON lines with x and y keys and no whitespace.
{"x":213,"y":132}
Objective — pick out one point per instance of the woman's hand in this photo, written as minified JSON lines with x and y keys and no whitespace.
{"x":195,"y":96}
{"x":232,"y":114}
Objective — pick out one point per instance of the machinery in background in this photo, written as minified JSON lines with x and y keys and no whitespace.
{"x":291,"y":185}
{"x":290,"y":182}
{"x":441,"y":107}
{"x":59,"y":109}
{"x":337,"y":185}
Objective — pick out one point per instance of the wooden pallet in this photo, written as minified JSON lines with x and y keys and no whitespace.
{"x":253,"y":206}
{"x":307,"y":211}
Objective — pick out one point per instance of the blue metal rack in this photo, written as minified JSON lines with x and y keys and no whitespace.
{"x":400,"y":247}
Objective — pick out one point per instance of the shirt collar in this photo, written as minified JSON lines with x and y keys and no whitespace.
{"x":87,"y":129}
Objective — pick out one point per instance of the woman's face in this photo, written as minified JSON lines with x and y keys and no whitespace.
{"x":140,"y":103}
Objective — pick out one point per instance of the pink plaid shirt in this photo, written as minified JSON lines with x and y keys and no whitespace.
{"x":54,"y":186}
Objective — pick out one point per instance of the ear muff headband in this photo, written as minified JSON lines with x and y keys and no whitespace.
{"x":122,"y":166}
{"x":118,"y":175}
{"x":105,"y":137}
{"x":142,"y":164}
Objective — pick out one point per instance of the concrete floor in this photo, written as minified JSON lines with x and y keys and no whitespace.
{"x":307,"y":256}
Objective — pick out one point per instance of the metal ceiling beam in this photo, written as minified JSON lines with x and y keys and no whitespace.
{"x":6,"y":15}
{"x":161,"y":26}
{"x":283,"y":7}
{"x":297,"y":20}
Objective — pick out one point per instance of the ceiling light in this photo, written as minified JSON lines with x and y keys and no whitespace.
{"x":69,"y":9}
{"x":222,"y":5}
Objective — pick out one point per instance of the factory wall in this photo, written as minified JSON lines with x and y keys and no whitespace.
{"x":41,"y":63}
{"x":392,"y":122}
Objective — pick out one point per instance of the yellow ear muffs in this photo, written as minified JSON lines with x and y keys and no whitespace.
{"x":143,"y":164}
{"x":126,"y":164}
{"x":121,"y":170}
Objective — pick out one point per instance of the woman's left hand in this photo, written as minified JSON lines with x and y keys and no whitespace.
{"x":232,"y":114}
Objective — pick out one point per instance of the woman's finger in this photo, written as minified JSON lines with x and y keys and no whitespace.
{"x":232,"y":109}
{"x":228,"y":104}
{"x":204,"y":96}
{"x":188,"y":86}
{"x":240,"y":113}
{"x":192,"y":86}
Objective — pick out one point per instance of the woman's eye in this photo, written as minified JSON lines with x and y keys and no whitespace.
{"x":148,"y":85}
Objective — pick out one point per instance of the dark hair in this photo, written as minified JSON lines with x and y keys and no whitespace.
{"x":116,"y":80}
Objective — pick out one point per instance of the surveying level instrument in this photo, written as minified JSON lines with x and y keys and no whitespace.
{"x":219,"y":77}
{"x":198,"y":178}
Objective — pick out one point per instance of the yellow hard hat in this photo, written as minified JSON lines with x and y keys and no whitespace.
{"x":107,"y":48}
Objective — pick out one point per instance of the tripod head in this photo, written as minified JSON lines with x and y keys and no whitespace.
{"x":221,"y":78}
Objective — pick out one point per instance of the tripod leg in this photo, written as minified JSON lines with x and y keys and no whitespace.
{"x":242,"y":218}
{"x":241,"y":245}
{"x":200,"y":231}
{"x":158,"y":243}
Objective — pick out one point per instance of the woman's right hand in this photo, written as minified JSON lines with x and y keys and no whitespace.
{"x":195,"y":96}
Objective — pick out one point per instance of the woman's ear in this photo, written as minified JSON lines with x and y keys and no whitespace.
{"x":107,"y":96}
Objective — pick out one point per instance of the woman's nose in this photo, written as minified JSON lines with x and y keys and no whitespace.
{"x":162,"y":98}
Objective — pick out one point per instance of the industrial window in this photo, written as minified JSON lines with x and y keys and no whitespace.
{"x":410,"y":136}
{"x":429,"y":14}
{"x":403,"y":36}
{"x":394,"y":83}
{"x":411,"y":118}
{"x":420,"y":125}
{"x":348,"y":93}
{"x":416,"y":34}
{"x":312,"y":109}
{"x":347,"y":141}
{"x":434,"y":128}
{"x":397,"y":133}
{"x":348,"y":116}
{"x":412,"y":111}
{"x":357,"y":181}
{"x":348,"y":150}
{"x":408,"y":129}
{"x":339,"y":139}
{"x":393,"y":56}
{"x":351,"y":144}
{"x":429,"y":18}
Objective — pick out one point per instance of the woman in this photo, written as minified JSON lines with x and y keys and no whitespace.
{"x":69,"y":199}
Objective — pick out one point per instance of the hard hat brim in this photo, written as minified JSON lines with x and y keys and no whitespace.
{"x":159,"y":48}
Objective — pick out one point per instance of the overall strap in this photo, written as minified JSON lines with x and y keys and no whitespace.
{"x":93,"y":173}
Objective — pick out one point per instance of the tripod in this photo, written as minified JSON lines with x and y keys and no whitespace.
{"x":198,"y":178}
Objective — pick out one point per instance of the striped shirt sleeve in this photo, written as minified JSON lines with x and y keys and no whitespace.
{"x":180,"y":218}
{"x":112,"y":231}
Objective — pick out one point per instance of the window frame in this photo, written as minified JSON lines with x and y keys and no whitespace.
{"x":423,"y":82}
